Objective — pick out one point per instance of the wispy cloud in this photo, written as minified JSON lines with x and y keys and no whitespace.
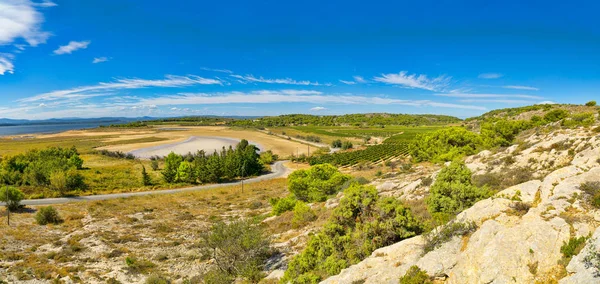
{"x":481,"y":96}
{"x":359,"y":79}
{"x":521,"y":88}
{"x":170,"y":81}
{"x":502,"y":101}
{"x":45,"y":4}
{"x":415,"y":81}
{"x":290,"y":96}
{"x":318,"y":108}
{"x":6,"y":65}
{"x":100,"y":59}
{"x":286,"y":81}
{"x":72,"y":46}
{"x":348,"y":82}
{"x":217,"y":70}
{"x":490,"y":75}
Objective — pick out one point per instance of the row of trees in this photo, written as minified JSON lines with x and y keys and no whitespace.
{"x":375,"y":119}
{"x":54,"y":168}
{"x":227,"y":164}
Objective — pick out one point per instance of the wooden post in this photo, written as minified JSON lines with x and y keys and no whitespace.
{"x":7,"y":209}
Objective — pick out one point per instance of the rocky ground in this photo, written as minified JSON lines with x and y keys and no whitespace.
{"x":519,"y":232}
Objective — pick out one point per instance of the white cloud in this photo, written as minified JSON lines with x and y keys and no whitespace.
{"x":318,"y":108}
{"x":6,"y":65}
{"x":480,"y":96}
{"x":359,"y":79}
{"x":20,"y":19}
{"x":45,"y":4}
{"x":415,"y":81}
{"x":269,"y":96}
{"x":348,"y":82}
{"x":287,"y":81}
{"x":217,"y":70}
{"x":546,"y":103}
{"x":100,"y":59}
{"x":503,"y":101}
{"x":72,"y":46}
{"x":521,"y":88}
{"x":490,"y":75}
{"x":42,"y":105}
{"x":170,"y":81}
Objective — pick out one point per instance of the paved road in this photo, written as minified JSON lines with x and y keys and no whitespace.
{"x":279,"y":170}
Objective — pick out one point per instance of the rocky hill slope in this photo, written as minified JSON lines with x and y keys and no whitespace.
{"x":515,"y":236}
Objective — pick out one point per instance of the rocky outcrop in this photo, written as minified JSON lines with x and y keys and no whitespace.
{"x":508,"y":246}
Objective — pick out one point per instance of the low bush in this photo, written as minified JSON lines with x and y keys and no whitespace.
{"x":504,"y":178}
{"x":12,"y":197}
{"x":436,"y":238}
{"x":453,"y":190}
{"x":48,"y":215}
{"x":592,"y":189}
{"x":303,"y":214}
{"x":361,"y":223}
{"x":317,"y":183}
{"x":572,"y":247}
{"x":239,"y":250}
{"x":592,"y":259}
{"x":135,"y":265}
{"x":520,"y":208}
{"x":426,"y":181}
{"x":281,"y":205}
{"x":157,"y":279}
{"x":415,"y":275}
{"x":591,"y":103}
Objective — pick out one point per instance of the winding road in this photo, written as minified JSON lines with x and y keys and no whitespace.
{"x":278,"y":170}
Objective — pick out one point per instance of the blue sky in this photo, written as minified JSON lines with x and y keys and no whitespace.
{"x":73,"y":58}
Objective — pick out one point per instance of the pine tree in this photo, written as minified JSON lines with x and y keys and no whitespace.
{"x":146,"y":180}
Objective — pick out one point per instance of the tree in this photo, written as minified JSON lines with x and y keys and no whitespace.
{"x":58,"y":181}
{"x":146,"y":179}
{"x":336,"y":143}
{"x":444,"y":145}
{"x":239,"y":249}
{"x":76,"y":161}
{"x":154,"y":164}
{"x":453,"y":190}
{"x":591,"y":103}
{"x":316,"y":183}
{"x":172,"y":162}
{"x":185,"y":173}
{"x":11,"y":196}
{"x":347,"y":145}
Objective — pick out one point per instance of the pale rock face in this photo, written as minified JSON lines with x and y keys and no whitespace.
{"x":506,"y":247}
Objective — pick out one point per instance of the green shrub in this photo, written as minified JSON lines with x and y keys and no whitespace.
{"x":281,"y":205}
{"x":12,"y":197}
{"x":591,"y":103}
{"x":157,"y":279}
{"x":146,"y":179}
{"x":556,"y":115}
{"x":47,"y":215}
{"x":154,"y":164}
{"x":415,"y":275}
{"x":317,"y":183}
{"x":239,"y":250}
{"x":138,"y":266}
{"x":592,"y":189}
{"x":361,"y":223}
{"x":502,"y":132}
{"x":426,"y":181}
{"x":579,"y":119}
{"x":347,"y":145}
{"x":572,"y":247}
{"x":504,"y":178}
{"x":336,"y":143}
{"x":302,"y":214}
{"x":436,"y":238}
{"x":453,"y":191}
{"x":444,"y":145}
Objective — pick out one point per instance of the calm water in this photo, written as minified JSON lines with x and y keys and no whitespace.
{"x":48,"y":128}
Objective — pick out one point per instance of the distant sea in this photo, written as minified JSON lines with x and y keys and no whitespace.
{"x":46,"y":128}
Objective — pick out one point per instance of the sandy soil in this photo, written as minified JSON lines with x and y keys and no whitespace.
{"x":208,"y":144}
{"x":176,"y":135}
